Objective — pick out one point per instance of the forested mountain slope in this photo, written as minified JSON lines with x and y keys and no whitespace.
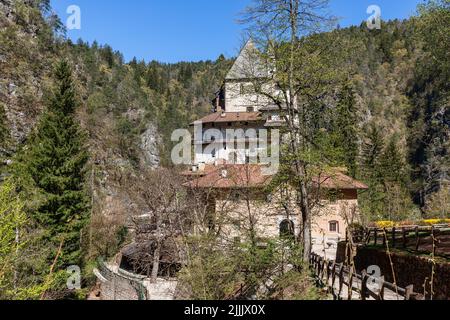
{"x":398,"y":98}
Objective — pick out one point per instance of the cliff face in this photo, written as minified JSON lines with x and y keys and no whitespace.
{"x":28,"y":52}
{"x":21,"y":73}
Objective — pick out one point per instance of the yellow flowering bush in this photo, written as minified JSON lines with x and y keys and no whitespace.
{"x":385,"y":224}
{"x":427,"y":222}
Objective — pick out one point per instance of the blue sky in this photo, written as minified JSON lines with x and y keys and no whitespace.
{"x":189,"y":30}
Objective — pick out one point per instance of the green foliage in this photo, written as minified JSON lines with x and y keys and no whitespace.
{"x":345,"y":128}
{"x":4,"y":133}
{"x":429,"y":133}
{"x":372,"y":150}
{"x":14,"y":243}
{"x":215,"y":271}
{"x":385,"y":170}
{"x":51,"y":169}
{"x":12,"y":222}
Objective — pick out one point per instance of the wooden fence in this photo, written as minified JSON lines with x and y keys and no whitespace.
{"x":430,"y":239}
{"x":334,"y":276}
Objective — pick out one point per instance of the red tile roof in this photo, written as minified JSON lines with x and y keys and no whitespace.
{"x":251,"y":176}
{"x":224,"y":117}
{"x":338,"y":181}
{"x":236,"y":176}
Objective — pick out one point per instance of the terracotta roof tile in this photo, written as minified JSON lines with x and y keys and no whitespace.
{"x":230,"y":177}
{"x":251,"y":176}
{"x":338,"y":181}
{"x":223,"y":117}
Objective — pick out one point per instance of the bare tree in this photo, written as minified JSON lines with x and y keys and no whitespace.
{"x":299,"y":76}
{"x":157,"y":249}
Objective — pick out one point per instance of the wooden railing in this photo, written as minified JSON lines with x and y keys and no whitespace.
{"x":334,"y":276}
{"x":429,"y":239}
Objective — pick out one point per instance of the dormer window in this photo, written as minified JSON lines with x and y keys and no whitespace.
{"x":250,"y":109}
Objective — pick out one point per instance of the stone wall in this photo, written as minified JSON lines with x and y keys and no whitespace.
{"x":118,"y":284}
{"x":409,"y":269}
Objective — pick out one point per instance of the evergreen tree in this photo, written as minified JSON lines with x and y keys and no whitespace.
{"x":397,"y":201}
{"x":345,"y":128}
{"x":54,"y":164}
{"x":392,"y":164}
{"x":429,"y":129}
{"x":372,"y":150}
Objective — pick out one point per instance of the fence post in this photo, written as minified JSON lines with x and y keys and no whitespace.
{"x":393,"y":236}
{"x":365,"y":277}
{"x":408,"y":292}
{"x":375,"y":236}
{"x":384,"y":237}
{"x":333,"y":278}
{"x":381,"y":294}
{"x":341,"y":280}
{"x":417,"y":238}
{"x":350,"y":284}
{"x":404,"y":237}
{"x":433,"y":238}
{"x":328,"y":273}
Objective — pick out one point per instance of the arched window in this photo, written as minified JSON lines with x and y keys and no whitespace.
{"x":333,"y":226}
{"x":287,"y":229}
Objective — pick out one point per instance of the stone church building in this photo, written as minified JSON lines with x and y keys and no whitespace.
{"x":239,"y":191}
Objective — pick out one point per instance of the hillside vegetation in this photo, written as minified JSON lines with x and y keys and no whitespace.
{"x":394,"y":108}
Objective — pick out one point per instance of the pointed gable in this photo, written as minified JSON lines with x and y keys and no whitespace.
{"x":248,"y":64}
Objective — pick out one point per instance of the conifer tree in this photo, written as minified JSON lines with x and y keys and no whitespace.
{"x":392,"y":164}
{"x":345,"y":128}
{"x":54,"y":164}
{"x":372,"y":150}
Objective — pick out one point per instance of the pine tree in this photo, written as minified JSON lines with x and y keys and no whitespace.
{"x":392,"y":164}
{"x":54,"y":163}
{"x":397,"y":200}
{"x":345,"y":128}
{"x":372,"y":150}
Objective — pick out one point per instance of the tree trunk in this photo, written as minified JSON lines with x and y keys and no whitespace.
{"x":155,"y":268}
{"x":306,"y":220}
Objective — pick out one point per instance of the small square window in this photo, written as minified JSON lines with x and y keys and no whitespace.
{"x":334,"y":226}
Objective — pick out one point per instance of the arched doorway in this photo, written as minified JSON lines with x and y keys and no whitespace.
{"x":287,"y":229}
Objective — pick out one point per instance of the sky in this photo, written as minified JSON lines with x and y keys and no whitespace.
{"x":189,"y":30}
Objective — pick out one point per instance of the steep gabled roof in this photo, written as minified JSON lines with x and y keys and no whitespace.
{"x":248,"y":64}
